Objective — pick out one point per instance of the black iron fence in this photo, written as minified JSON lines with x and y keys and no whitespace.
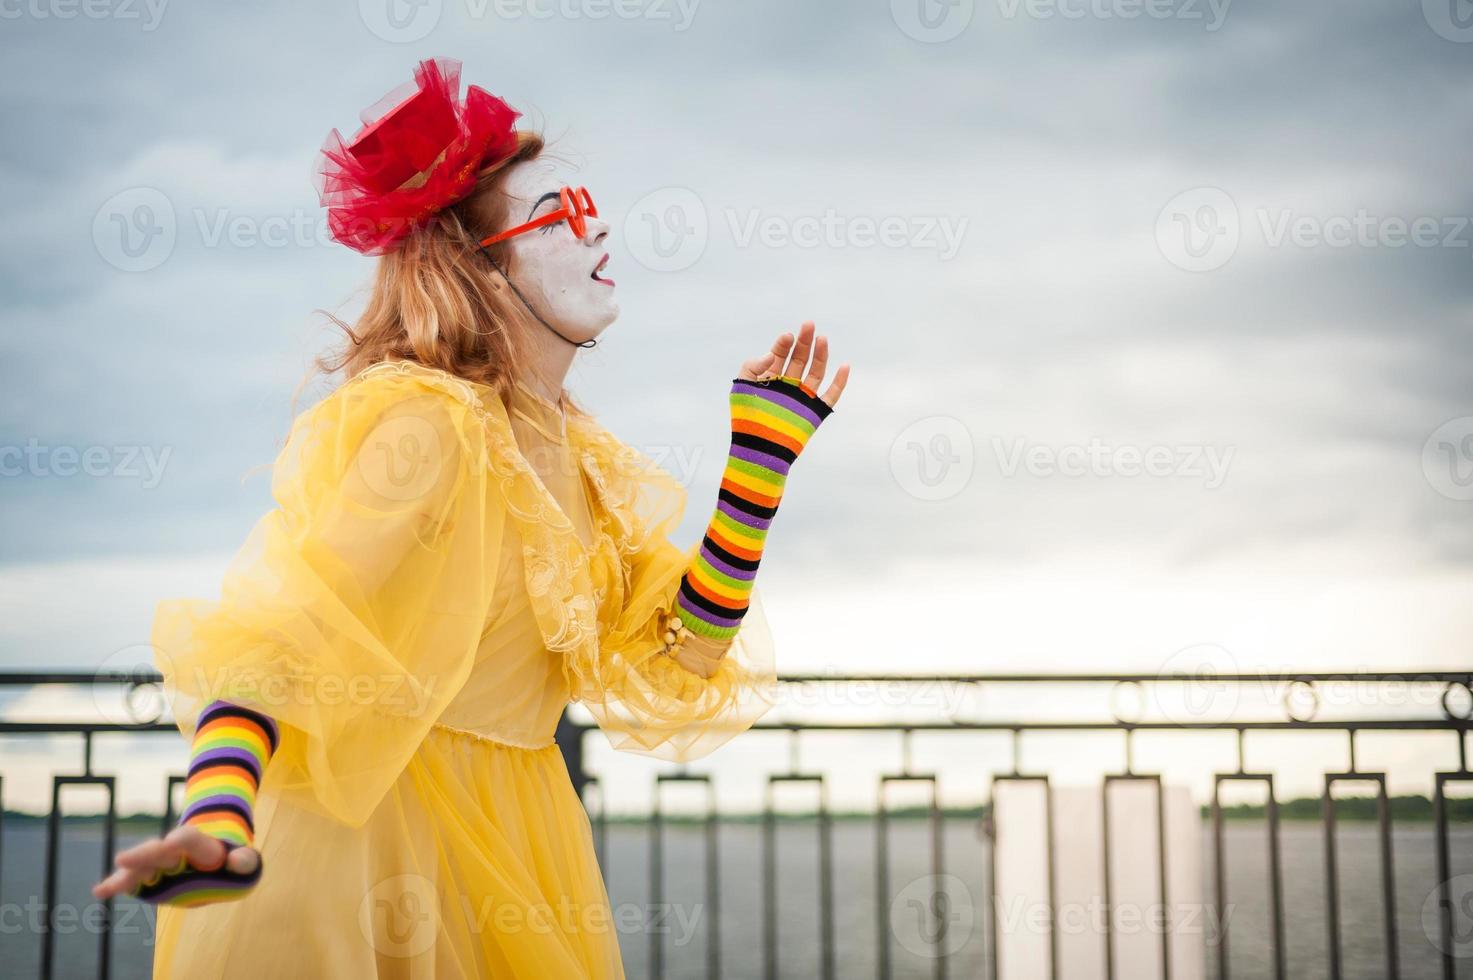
{"x":1128,"y":717}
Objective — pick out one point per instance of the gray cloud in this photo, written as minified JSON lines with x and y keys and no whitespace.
{"x":1059,"y":320}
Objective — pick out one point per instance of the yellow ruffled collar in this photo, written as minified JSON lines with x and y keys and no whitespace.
{"x":575,"y":590}
{"x":613,"y":469}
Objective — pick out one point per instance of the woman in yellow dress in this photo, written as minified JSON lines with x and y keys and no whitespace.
{"x":458,"y":552}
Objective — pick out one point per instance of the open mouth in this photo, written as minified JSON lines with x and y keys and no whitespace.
{"x":596,"y":277}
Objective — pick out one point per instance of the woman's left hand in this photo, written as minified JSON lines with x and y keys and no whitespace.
{"x":789,"y":357}
{"x":701,"y":655}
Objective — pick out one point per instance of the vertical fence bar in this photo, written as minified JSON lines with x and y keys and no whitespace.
{"x":1332,"y":883}
{"x":1332,"y":872}
{"x":170,"y":814}
{"x":1444,"y":870}
{"x":1219,"y":884}
{"x":1388,"y":882}
{"x":991,"y":932}
{"x":1152,"y":779}
{"x":826,"y":885}
{"x":713,"y":881}
{"x":1275,"y":870}
{"x":882,"y":869}
{"x":1275,"y":886}
{"x":657,"y":884}
{"x":53,"y":846}
{"x":1053,"y":911}
{"x":769,"y":875}
{"x":713,"y":886}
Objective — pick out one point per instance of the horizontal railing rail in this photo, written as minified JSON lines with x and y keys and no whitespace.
{"x":1453,"y":715}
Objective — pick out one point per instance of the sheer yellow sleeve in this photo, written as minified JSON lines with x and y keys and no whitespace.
{"x":353,"y":611}
{"x":643,"y":699}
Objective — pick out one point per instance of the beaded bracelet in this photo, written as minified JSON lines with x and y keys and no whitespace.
{"x":674,"y":635}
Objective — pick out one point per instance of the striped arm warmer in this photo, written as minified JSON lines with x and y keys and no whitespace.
{"x":771,"y":422}
{"x":231,"y":748}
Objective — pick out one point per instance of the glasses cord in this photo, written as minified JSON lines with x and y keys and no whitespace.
{"x":591,"y":342}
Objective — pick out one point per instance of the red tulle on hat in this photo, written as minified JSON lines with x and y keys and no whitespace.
{"x":419,"y":151}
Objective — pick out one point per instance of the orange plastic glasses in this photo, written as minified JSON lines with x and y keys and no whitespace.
{"x":576,"y":205}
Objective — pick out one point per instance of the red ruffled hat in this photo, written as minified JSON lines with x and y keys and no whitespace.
{"x":419,"y":151}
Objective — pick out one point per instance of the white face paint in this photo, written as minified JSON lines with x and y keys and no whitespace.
{"x":558,"y":272}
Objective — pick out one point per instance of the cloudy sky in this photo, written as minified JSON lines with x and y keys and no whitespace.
{"x":1159,"y":311}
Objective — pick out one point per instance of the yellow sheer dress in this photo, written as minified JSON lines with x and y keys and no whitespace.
{"x":446,"y":569}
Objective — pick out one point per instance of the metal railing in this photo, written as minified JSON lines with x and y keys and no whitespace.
{"x":1455,"y":703}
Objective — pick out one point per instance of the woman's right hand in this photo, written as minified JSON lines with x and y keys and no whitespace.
{"x":185,"y":852}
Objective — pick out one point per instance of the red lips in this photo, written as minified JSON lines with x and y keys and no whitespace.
{"x":594,"y":275}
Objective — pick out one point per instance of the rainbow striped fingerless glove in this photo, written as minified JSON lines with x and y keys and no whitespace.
{"x":771,"y":422}
{"x":231,"y":748}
